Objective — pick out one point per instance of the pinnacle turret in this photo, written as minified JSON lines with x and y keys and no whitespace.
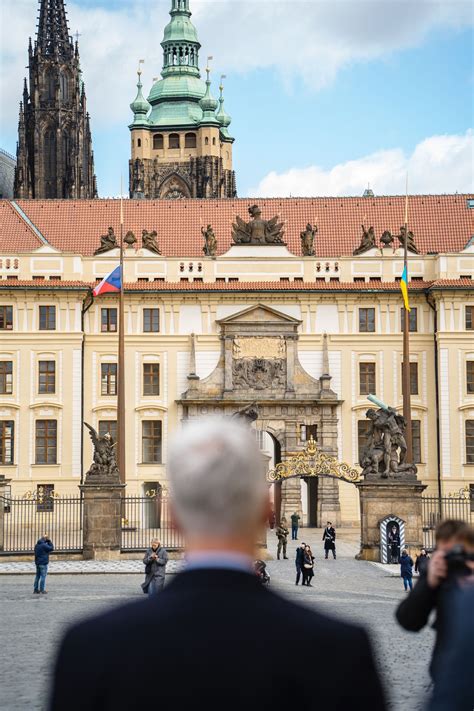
{"x":53,"y":38}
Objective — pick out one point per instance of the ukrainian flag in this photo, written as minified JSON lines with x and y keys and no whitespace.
{"x":404,"y":288}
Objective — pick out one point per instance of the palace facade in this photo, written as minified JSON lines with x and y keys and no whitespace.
{"x":301,"y":326}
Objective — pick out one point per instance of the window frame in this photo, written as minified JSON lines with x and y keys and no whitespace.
{"x":4,"y":438}
{"x":187,"y":136}
{"x":413,"y":368}
{"x":46,"y":310}
{"x":416,"y":437}
{"x":151,"y":313}
{"x":6,"y":382}
{"x":174,"y":136}
{"x":367,"y":377}
{"x":469,"y":441}
{"x":151,"y":436}
{"x":50,"y":434}
{"x":306,"y":431}
{"x":48,"y":373}
{"x":469,"y":319}
{"x":364,"y":322}
{"x":156,"y":137}
{"x":412,"y":317}
{"x":110,"y":320}
{"x":110,"y":428}
{"x":108,"y":378}
{"x":150,"y":379}
{"x":470,"y":376}
{"x":6,"y":317}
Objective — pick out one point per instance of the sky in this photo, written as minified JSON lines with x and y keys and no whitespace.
{"x":326,"y":96}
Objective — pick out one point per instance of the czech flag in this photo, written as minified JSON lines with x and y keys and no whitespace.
{"x":111,"y":284}
{"x":404,"y":288}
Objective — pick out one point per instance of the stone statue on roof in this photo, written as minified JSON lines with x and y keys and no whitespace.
{"x":107,"y":242}
{"x":130,"y":239}
{"x":387,"y":239}
{"x":367,"y":241}
{"x":307,"y":240}
{"x":210,"y":246}
{"x":411,"y":246}
{"x":257,"y":231}
{"x":149,"y":241}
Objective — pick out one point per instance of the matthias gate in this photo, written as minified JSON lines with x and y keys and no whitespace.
{"x":259,"y":364}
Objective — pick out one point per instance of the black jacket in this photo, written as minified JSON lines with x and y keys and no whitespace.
{"x":299,"y":557}
{"x":414,"y":611}
{"x":213,"y":638}
{"x":42,"y":550}
{"x":329,"y":538}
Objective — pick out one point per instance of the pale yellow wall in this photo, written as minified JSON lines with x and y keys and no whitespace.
{"x":214,"y":146}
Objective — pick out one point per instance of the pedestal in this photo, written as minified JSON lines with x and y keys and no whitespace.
{"x":3,"y":485}
{"x":102,"y":516}
{"x":382,"y":498}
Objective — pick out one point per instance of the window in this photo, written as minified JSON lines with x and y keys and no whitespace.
{"x":362,"y":434}
{"x":367,"y":378}
{"x":308,"y":431}
{"x":206,"y":141}
{"x":6,"y":377}
{"x":151,"y":320}
{"x":173,"y":140}
{"x":360,"y":280}
{"x":367,"y":320}
{"x":139,"y":142}
{"x":413,"y":378}
{"x":470,"y":377}
{"x":45,"y":497}
{"x":46,"y":441}
{"x":64,"y":86}
{"x":6,"y":441}
{"x":47,"y":376}
{"x":375,"y":279}
{"x":108,"y":320}
{"x":108,"y":373}
{"x":469,"y":441}
{"x":38,"y":278}
{"x":190,"y":140}
{"x":151,"y":442}
{"x":151,"y":378}
{"x":158,"y":142}
{"x":416,"y":441}
{"x":413,"y":319}
{"x":469,"y":318}
{"x":6,"y":318}
{"x":47,"y":318}
{"x":108,"y":427}
{"x":233,"y":279}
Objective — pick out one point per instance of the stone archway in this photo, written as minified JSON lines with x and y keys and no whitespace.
{"x":259,"y":363}
{"x":174,"y":187}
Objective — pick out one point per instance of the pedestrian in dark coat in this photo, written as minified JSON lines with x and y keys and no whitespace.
{"x":295,"y":522}
{"x":421,"y":562}
{"x":42,"y":550}
{"x":406,"y":570}
{"x":308,"y":566}
{"x":299,"y":562}
{"x":329,"y":538}
{"x":155,"y":561}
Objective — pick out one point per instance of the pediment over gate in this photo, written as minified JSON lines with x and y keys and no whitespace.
{"x":260,"y":313}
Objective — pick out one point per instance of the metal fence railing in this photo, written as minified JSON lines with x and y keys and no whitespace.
{"x":147,"y":517}
{"x":25,"y":520}
{"x":435,"y":510}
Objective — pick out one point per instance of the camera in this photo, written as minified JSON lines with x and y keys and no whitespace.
{"x":457,"y":559}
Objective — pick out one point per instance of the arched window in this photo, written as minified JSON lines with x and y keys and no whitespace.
{"x":50,"y":85}
{"x":158,"y":141}
{"x":173,"y":141}
{"x":50,"y":162}
{"x":213,"y":141}
{"x":206,"y":141}
{"x":139,"y":142}
{"x":190,"y":140}
{"x":64,"y":86}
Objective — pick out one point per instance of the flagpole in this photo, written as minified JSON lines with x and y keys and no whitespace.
{"x":406,"y":388}
{"x":121,"y":360}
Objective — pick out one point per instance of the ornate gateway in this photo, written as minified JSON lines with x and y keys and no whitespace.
{"x":313,"y":463}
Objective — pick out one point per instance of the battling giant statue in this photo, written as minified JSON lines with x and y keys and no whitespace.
{"x":104,"y":464}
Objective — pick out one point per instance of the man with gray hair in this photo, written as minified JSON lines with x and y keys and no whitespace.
{"x":211,"y":636}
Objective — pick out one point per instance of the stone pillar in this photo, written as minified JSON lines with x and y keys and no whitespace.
{"x":291,"y":498}
{"x":3,"y":485}
{"x":228,"y":379}
{"x":381,"y":498}
{"x":328,"y":506}
{"x":102,"y":517}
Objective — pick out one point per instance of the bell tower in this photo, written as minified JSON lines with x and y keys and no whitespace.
{"x":180,"y":143}
{"x":54,"y":150}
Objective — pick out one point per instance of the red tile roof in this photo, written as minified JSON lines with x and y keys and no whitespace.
{"x":249,"y":286}
{"x":15,"y":234}
{"x":440,"y":223}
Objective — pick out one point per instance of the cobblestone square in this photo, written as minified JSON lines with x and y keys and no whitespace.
{"x":345,"y":588}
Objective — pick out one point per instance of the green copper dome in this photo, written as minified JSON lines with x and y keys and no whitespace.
{"x":209,"y":104}
{"x":140,"y":105}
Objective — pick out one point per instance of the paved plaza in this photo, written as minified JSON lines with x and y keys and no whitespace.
{"x":345,"y":588}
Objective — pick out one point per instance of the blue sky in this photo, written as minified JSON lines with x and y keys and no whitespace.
{"x":324,"y":96}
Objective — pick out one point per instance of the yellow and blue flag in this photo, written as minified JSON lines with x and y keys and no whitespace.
{"x":404,"y":288}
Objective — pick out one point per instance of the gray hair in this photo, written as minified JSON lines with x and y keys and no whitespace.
{"x":216,"y":477}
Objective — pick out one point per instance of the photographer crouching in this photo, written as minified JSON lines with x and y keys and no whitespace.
{"x":450,"y":569}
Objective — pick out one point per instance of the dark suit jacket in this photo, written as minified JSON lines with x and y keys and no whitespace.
{"x":215,"y":639}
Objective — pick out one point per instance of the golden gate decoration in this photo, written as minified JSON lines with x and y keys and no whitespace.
{"x":313,"y":463}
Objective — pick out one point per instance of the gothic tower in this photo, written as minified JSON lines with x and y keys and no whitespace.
{"x":180,"y":145}
{"x":54,"y":151}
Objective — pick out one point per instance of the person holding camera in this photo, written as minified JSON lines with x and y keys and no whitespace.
{"x":155,"y":561}
{"x":450,"y":566}
{"x":42,"y":550}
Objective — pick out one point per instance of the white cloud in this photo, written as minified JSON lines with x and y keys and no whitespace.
{"x":440,"y":164}
{"x":307,"y":38}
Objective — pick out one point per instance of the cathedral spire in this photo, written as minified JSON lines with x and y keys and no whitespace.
{"x":53,"y":38}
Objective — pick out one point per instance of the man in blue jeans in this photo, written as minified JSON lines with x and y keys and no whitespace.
{"x":42,"y":550}
{"x":295,"y":522}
